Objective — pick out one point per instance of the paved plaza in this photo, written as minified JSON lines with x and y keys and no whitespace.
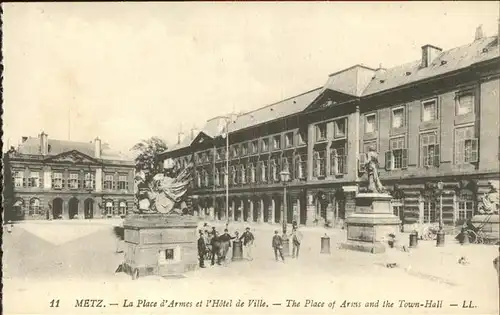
{"x":77,"y":259}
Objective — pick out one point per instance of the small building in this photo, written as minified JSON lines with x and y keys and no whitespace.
{"x":55,"y":179}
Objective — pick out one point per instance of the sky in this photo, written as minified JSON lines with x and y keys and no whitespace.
{"x":129,"y":71}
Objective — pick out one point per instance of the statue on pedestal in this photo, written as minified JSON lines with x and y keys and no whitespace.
{"x":489,"y":203}
{"x":372,"y":166}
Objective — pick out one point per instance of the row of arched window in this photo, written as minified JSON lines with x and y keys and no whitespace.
{"x":260,"y":172}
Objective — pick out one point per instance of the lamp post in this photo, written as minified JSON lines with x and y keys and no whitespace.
{"x":226,"y":175}
{"x":285,"y":177}
{"x":440,"y":235}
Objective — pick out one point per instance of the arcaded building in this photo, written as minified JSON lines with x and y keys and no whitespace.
{"x":431,"y":120}
{"x":56,"y":179}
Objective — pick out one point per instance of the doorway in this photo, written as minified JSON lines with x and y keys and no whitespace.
{"x":57,"y":208}
{"x":89,"y":208}
{"x":73,"y":208}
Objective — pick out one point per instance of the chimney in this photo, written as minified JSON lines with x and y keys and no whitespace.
{"x":44,"y":143}
{"x":479,"y":33}
{"x":97,"y":148}
{"x":194,"y":133}
{"x":379,"y":71}
{"x":24,"y":139}
{"x":429,"y":54}
{"x":180,"y":137}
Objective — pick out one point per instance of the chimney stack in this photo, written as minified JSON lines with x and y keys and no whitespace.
{"x":429,"y":54}
{"x":180,"y":137}
{"x":24,"y":139}
{"x":194,"y":133}
{"x":97,"y":148}
{"x":479,"y":33}
{"x":44,"y":143}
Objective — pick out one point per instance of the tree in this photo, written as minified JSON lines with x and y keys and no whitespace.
{"x":147,"y":160}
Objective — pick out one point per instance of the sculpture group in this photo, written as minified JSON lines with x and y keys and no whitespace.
{"x":165,"y":193}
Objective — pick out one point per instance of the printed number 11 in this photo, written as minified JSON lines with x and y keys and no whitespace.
{"x":54,"y":303}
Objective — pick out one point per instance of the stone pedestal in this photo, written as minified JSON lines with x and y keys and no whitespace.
{"x":164,"y":245}
{"x":490,"y":226}
{"x":371,"y":223}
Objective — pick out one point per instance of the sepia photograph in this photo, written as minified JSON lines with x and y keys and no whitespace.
{"x":251,"y":157}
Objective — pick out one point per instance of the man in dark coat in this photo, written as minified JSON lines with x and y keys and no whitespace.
{"x":278,"y":246}
{"x":225,"y":241}
{"x":201,"y":250}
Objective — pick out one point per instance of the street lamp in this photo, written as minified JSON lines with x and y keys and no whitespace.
{"x":440,"y":235}
{"x":285,"y":177}
{"x":225,"y":135}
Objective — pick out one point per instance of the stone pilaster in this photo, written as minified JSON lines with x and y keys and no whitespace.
{"x":233,"y":210}
{"x":98,"y":180}
{"x":272,"y":211}
{"x":212,"y":213}
{"x":260,"y":218}
{"x":251,"y":203}
{"x":298,"y":211}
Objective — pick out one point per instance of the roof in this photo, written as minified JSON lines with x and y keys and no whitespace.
{"x":32,"y":146}
{"x":446,"y":62}
{"x":275,"y":111}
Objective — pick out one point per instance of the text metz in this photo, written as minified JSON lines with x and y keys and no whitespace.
{"x":89,"y":303}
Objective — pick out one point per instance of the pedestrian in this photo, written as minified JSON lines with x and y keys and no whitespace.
{"x":215,"y":247}
{"x":296,"y":240}
{"x":248,"y":239}
{"x":225,"y":243}
{"x":208,"y":243}
{"x":496,"y":264}
{"x":201,"y":249}
{"x":278,"y":246}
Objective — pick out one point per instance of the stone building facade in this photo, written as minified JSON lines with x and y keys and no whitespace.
{"x":55,"y":179}
{"x":432,"y":120}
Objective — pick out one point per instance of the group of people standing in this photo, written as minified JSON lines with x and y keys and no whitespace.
{"x":215,"y":247}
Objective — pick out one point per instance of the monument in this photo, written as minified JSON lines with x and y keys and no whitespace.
{"x":488,"y":219}
{"x":372,"y":224}
{"x":161,"y":237}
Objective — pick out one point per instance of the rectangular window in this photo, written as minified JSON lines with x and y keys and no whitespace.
{"x":277,"y":142}
{"x":301,"y":137}
{"x":429,"y":110}
{"x":338,"y":161}
{"x":370,"y":123}
{"x":398,"y":117}
{"x":57,"y":182}
{"x":108,"y":182}
{"x":397,"y":156}
{"x":265,"y":145}
{"x":34,"y":180}
{"x":464,"y":104}
{"x":430,"y":212}
{"x":320,"y":163}
{"x":321,"y":132}
{"x":18,"y":179}
{"x":465,"y":205}
{"x":289,"y":139}
{"x":340,"y":128}
{"x":466,"y":146}
{"x":429,"y":150}
{"x":300,"y":166}
{"x":255,"y":146}
{"x":73,"y":181}
{"x":122,"y":182}
{"x":244,"y":149}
